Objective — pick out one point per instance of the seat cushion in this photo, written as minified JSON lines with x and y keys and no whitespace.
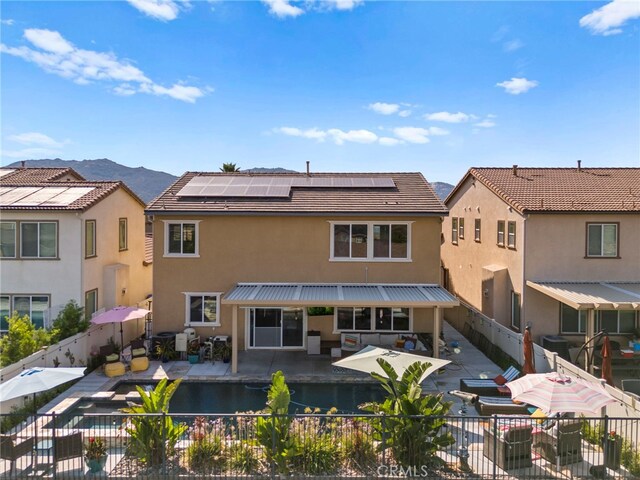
{"x":114,"y":357}
{"x":370,"y":338}
{"x":114,"y":369}
{"x":388,"y":339}
{"x":139,"y":352}
{"x":350,"y":341}
{"x":139,"y":364}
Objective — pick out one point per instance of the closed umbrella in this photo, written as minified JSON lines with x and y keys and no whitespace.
{"x":529,"y":364}
{"x":120,"y":315}
{"x":35,"y":380}
{"x":607,"y":370}
{"x":366,"y":360}
{"x":557,"y":393}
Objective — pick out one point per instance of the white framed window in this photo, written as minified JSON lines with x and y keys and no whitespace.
{"x":123,"y":231}
{"x":34,"y":306}
{"x":454,"y":230}
{"x":181,"y":238}
{"x":572,"y":320}
{"x":616,"y":321}
{"x":89,"y":238}
{"x":515,"y":310}
{"x":8,"y":239}
{"x":90,"y":303}
{"x":370,"y":241}
{"x":202,"y":309}
{"x":477,"y":230}
{"x":38,"y":239}
{"x":500,"y":238}
{"x":461,"y":228}
{"x":376,"y":319}
{"x":602,"y":239}
{"x":5,"y":312}
{"x":511,"y":234}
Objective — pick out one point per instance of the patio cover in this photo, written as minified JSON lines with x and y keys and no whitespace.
{"x":342,"y":294}
{"x":592,"y":295}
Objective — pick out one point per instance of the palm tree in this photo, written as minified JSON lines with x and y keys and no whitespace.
{"x":229,"y":168}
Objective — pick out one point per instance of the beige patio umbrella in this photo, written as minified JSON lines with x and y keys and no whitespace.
{"x":366,"y":360}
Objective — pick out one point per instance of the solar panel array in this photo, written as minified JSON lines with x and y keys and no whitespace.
{"x":41,"y":196}
{"x":271,"y":186}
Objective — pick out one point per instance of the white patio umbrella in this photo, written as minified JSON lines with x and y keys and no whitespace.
{"x":366,"y":360}
{"x":35,"y":380}
{"x":120,"y":315}
{"x":558,"y":393}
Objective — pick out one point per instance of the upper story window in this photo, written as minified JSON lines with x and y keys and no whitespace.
{"x":511,"y":234}
{"x":461,"y":228}
{"x":372,"y":319}
{"x":89,"y":238}
{"x":375,"y":241}
{"x":8,"y":239}
{"x":500,"y":233}
{"x":181,"y":238}
{"x":602,"y":239}
{"x":202,"y":308}
{"x":454,"y":230}
{"x":477,"y":230}
{"x":38,"y":239}
{"x":123,"y":241}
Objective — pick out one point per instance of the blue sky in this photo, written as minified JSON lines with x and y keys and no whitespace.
{"x":435,"y":87}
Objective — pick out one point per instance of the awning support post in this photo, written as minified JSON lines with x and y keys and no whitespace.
{"x":437,"y":327}
{"x":234,"y":340}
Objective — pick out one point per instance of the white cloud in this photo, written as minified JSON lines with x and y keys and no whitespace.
{"x":357,"y":136}
{"x":7,"y":21}
{"x":312,"y":133}
{"x":404,"y":113}
{"x":29,"y":153}
{"x":344,"y":4}
{"x":38,"y":139}
{"x":389,"y":141}
{"x":437,"y":131}
{"x":384,"y":108}
{"x":164,"y":10}
{"x":516,"y":86}
{"x":449,"y":117}
{"x":58,"y":56}
{"x":608,"y":19}
{"x":486,"y":123}
{"x":283,"y":8}
{"x":512,"y":45}
{"x":412,"y":134}
{"x":499,"y":34}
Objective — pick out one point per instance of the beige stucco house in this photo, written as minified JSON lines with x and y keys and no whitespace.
{"x":64,"y":238}
{"x":245,"y":255}
{"x":554,"y":248}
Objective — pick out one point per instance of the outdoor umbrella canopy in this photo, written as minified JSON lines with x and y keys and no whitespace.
{"x":36,"y":380}
{"x":527,"y":342}
{"x":558,"y":393}
{"x":366,"y":360}
{"x":120,"y":315}
{"x":607,"y":370}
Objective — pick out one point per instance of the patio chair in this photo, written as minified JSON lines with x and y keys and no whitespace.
{"x":500,"y":405}
{"x":511,"y":449}
{"x":113,"y":367}
{"x":137,"y":348}
{"x":488,"y":386}
{"x":11,"y":451}
{"x":563,"y":446}
{"x":65,"y":447}
{"x":109,"y":354}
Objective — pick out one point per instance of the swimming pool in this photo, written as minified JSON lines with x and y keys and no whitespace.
{"x":232,"y":397}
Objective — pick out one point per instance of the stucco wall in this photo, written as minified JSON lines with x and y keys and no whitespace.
{"x":273,"y":249}
{"x":466,"y":260}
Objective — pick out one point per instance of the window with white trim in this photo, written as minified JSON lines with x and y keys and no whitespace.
{"x":572,"y":320}
{"x":123,"y":241}
{"x":477,"y":230}
{"x":202,"y":309}
{"x":511,"y":234}
{"x":36,"y":307}
{"x":378,"y":319}
{"x":500,"y":239}
{"x":89,"y":238}
{"x":461,"y":228}
{"x":181,"y":238}
{"x":602,"y":239}
{"x":8,"y":239}
{"x":616,"y":321}
{"x":454,"y":230}
{"x":515,"y":310}
{"x":370,"y":241}
{"x":5,"y":312}
{"x":38,"y":239}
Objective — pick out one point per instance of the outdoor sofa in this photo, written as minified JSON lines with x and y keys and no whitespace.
{"x":561,"y":444}
{"x":511,"y":447}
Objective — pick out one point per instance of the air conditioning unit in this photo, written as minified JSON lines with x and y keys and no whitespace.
{"x":555,"y":343}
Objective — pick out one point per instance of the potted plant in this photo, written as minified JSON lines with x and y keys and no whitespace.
{"x":193,"y":352}
{"x":223,"y":351}
{"x":612,"y":444}
{"x":166,"y":350}
{"x":95,"y":455}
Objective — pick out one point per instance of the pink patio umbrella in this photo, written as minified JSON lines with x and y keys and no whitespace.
{"x":557,"y":393}
{"x":120,"y":315}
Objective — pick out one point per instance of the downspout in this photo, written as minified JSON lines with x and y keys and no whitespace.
{"x":523,"y":313}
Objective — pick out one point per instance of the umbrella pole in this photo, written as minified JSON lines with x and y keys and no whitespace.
{"x":121,"y":339}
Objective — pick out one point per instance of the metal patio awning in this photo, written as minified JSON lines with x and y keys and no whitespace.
{"x":592,"y":295}
{"x":340,"y":294}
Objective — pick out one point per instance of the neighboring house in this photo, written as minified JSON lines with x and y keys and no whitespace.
{"x":245,"y":254}
{"x":554,"y":248}
{"x":64,"y":238}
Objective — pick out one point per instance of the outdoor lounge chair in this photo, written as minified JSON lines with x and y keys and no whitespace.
{"x":138,"y":349}
{"x":489,"y":386}
{"x":11,"y":451}
{"x":511,"y":449}
{"x":563,"y":446}
{"x":500,"y":405}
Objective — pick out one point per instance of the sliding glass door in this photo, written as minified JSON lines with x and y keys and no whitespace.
{"x":276,"y":327}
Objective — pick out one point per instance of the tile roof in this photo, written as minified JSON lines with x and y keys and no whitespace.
{"x":412,"y":195}
{"x":50,"y":177}
{"x":562,"y":189}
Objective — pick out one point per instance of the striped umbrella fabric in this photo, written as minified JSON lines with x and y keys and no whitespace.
{"x":557,"y":393}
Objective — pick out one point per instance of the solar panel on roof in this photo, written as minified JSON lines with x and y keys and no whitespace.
{"x":67,"y":197}
{"x":16,"y":194}
{"x":4,"y":172}
{"x":278,"y":191}
{"x":383,"y":182}
{"x":39,"y":197}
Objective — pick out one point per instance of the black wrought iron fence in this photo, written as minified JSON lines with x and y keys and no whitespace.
{"x":309,"y":446}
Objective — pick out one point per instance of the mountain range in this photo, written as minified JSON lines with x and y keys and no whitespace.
{"x":146,"y":183}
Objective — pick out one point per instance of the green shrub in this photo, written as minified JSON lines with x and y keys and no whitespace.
{"x":358,"y":449}
{"x":317,"y":452}
{"x":591,"y":432}
{"x":21,"y":340}
{"x":69,"y":322}
{"x":315,"y":311}
{"x":244,"y":458}
{"x":630,"y":458}
{"x":205,"y":456}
